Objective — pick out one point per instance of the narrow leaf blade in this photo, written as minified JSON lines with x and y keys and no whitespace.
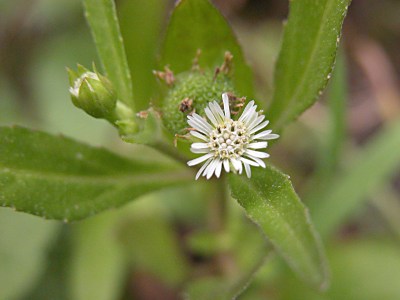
{"x":271,"y":202}
{"x":141,"y":23}
{"x":307,"y":56}
{"x":58,"y":178}
{"x":102,"y":18}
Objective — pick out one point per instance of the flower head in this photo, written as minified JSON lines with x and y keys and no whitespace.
{"x":231,"y":144}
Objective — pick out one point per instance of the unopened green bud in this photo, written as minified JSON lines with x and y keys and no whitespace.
{"x":93,"y":93}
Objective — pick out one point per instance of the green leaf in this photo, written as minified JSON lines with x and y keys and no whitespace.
{"x":58,"y":178}
{"x":197,"y":24}
{"x":102,"y":18}
{"x":307,"y":56}
{"x":141,"y":23}
{"x":271,"y":202}
{"x":96,"y":274}
{"x":371,"y":168}
{"x":23,"y":243}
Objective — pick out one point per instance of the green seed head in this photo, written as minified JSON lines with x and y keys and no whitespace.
{"x":191,"y":92}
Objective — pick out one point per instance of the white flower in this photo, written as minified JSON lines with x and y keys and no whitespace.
{"x":227,"y":142}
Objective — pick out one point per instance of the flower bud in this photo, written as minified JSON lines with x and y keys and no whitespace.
{"x":93,"y":93}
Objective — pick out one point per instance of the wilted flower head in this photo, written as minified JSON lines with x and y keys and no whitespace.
{"x":231,"y":144}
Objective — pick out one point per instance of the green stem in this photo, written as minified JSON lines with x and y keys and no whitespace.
{"x":103,"y":22}
{"x":218,"y":222}
{"x":218,"y":205}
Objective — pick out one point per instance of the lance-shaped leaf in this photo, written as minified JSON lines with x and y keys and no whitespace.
{"x":141,"y":24}
{"x":197,"y":24}
{"x":102,"y":18}
{"x":271,"y":202}
{"x":58,"y":178}
{"x":307,"y":56}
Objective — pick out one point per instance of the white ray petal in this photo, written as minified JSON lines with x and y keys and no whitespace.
{"x":199,"y":135}
{"x":251,"y":118}
{"x":202,"y":168}
{"x":257,"y":121}
{"x":260,"y":162}
{"x":248,"y":114}
{"x":261,"y":135}
{"x":211,"y":168}
{"x":259,"y":127}
{"x":198,"y":160}
{"x":248,"y":106}
{"x":202,"y":121}
{"x":257,"y":153}
{"x":258,"y":145}
{"x":216,"y":109}
{"x":225,"y":99}
{"x":218,"y":168}
{"x":226,"y":165}
{"x":271,"y":136}
{"x":199,"y":145}
{"x":240,"y":167}
{"x":200,"y":150}
{"x":236,"y":164}
{"x":196,"y":125}
{"x":248,"y":170}
{"x":210,"y":115}
{"x":249,"y":162}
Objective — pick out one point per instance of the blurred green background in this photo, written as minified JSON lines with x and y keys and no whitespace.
{"x":158,"y":246}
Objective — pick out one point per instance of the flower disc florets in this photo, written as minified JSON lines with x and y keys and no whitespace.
{"x":227,"y":142}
